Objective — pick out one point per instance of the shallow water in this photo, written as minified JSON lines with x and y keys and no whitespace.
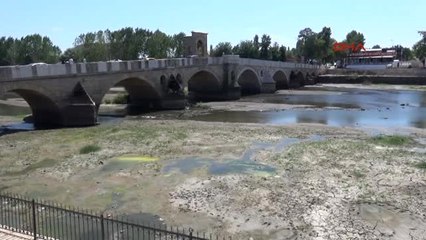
{"x":347,"y":107}
{"x":331,"y":106}
{"x":246,"y":164}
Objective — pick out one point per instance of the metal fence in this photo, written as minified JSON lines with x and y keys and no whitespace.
{"x":44,"y":220}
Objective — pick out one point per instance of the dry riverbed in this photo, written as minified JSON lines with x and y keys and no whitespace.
{"x":323,"y":183}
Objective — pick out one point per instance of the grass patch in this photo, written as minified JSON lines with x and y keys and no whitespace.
{"x":358,"y":174}
{"x":394,"y":140}
{"x":89,"y":149}
{"x":421,"y":165}
{"x":120,"y":99}
{"x":423,"y":88}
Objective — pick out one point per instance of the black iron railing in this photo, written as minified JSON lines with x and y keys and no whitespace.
{"x":44,"y":220}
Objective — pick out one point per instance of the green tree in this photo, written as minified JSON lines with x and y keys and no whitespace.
{"x":246,"y":49}
{"x":275,"y":52}
{"x":35,"y":48}
{"x":407,"y":54}
{"x":355,"y":38}
{"x":8,"y":51}
{"x":222,"y":48}
{"x":324,"y":45}
{"x":256,"y":47}
{"x":419,"y":49}
{"x":306,"y":43}
{"x":177,"y":45}
{"x":282,"y":54}
{"x":158,"y":45}
{"x":376,"y":47}
{"x":264,"y":47}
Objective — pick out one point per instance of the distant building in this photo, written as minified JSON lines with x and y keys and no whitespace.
{"x":195,"y":45}
{"x":371,"y":58}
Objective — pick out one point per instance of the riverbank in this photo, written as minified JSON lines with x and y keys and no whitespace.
{"x":387,"y":76}
{"x":259,"y":180}
{"x":316,"y":187}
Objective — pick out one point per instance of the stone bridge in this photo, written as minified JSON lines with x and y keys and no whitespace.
{"x":70,"y":94}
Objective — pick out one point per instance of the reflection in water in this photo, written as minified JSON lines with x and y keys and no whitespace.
{"x":355,"y":107}
{"x":377,"y":108}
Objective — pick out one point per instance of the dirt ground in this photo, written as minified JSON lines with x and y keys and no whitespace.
{"x":248,"y":181}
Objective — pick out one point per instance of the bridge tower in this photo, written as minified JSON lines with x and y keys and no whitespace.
{"x":195,"y":44}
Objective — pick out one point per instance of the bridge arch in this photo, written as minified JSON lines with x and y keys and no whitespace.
{"x":296,"y":80}
{"x":45,"y":112}
{"x":140,"y":95}
{"x":313,"y":78}
{"x":249,"y":82}
{"x":308,"y":79}
{"x":281,"y":81}
{"x":204,"y":82}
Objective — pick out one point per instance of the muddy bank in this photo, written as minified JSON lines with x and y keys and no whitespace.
{"x":261,"y":180}
{"x":273,"y":181}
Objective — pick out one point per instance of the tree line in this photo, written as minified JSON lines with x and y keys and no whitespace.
{"x":310,"y":47}
{"x":128,"y":44}
{"x":125,"y":44}
{"x":29,"y":49}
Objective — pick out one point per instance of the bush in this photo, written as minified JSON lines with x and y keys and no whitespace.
{"x":120,"y":99}
{"x":89,"y":148}
{"x":391,"y":139}
{"x":421,"y":165}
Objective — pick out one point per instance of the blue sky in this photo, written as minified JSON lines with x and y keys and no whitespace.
{"x":383,"y":22}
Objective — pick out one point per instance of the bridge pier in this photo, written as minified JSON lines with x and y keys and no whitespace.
{"x":168,"y":102}
{"x":233,"y":93}
{"x":79,"y":114}
{"x":268,"y":87}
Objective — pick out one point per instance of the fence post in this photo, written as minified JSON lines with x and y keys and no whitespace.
{"x":102,"y":227}
{"x":34,"y":220}
{"x":190,"y":233}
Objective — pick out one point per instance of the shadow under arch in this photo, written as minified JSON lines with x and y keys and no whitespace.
{"x":204,"y":85}
{"x":45,"y":112}
{"x":308,"y":79}
{"x":249,"y":82}
{"x":281,"y":81}
{"x":141,"y":95}
{"x":296,"y":80}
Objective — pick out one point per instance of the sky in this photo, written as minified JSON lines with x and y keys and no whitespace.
{"x":383,"y":22}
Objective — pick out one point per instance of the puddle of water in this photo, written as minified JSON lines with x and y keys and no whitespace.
{"x":240,"y":166}
{"x":16,"y":127}
{"x":138,"y":158}
{"x":187,"y":165}
{"x":216,"y":167}
{"x":400,"y":225}
{"x":244,"y":165}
